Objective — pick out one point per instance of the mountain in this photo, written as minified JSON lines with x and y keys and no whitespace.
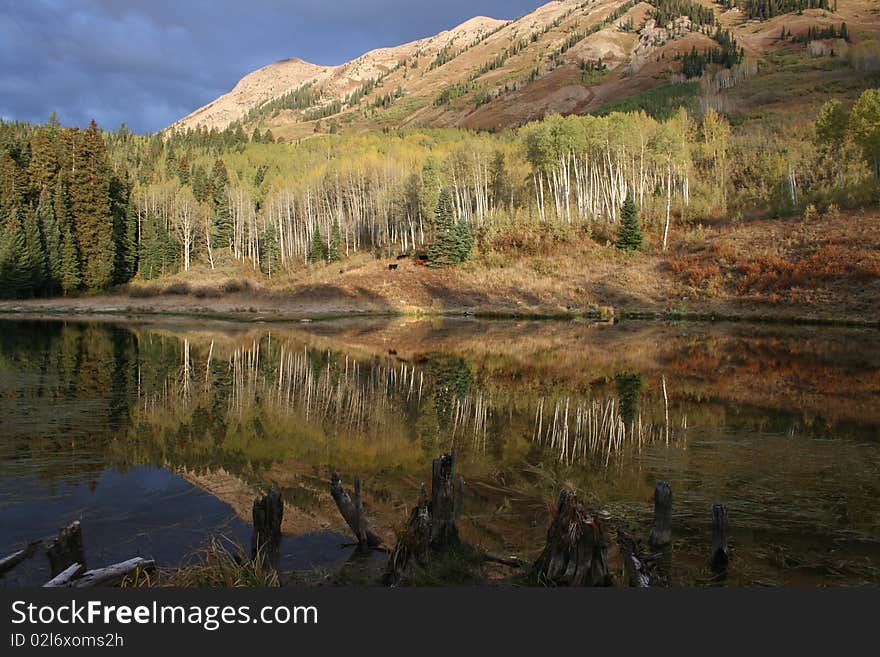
{"x":567,"y":57}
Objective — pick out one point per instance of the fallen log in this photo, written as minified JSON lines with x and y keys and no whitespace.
{"x":10,"y":562}
{"x":112,"y":575}
{"x":720,"y":552}
{"x":634,"y":567}
{"x":65,"y":577}
{"x":67,"y":549}
{"x":268,"y":512}
{"x":661,"y":533}
{"x":575,"y":553}
{"x":352,"y":511}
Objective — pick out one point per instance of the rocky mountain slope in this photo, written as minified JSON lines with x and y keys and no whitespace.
{"x":566,"y":56}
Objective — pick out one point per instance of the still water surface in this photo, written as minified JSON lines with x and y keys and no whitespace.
{"x":158,"y":436}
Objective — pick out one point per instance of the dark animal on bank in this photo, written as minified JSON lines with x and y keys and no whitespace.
{"x":402,"y":256}
{"x":392,"y":267}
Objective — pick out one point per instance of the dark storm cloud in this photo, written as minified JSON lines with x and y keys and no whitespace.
{"x":149,"y":62}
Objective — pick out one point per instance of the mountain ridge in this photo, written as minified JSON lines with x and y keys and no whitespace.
{"x":565,"y":56}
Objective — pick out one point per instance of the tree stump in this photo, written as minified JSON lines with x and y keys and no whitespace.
{"x":67,"y":549}
{"x":431,"y":525}
{"x":268,"y":513}
{"x":576,"y":553}
{"x":444,"y":510}
{"x":720,"y":552}
{"x":634,"y":567}
{"x":661,"y":533}
{"x":353,"y":511}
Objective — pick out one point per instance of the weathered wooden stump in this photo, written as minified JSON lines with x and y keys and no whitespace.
{"x":576,"y":553}
{"x":720,"y":552}
{"x":10,"y":562}
{"x":432,"y":525}
{"x":112,"y":575}
{"x":268,"y":512}
{"x":444,"y":513}
{"x":634,"y":567}
{"x":661,"y":533}
{"x":67,"y":549}
{"x":353,"y":511}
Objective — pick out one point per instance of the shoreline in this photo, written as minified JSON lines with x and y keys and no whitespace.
{"x":102,"y":307}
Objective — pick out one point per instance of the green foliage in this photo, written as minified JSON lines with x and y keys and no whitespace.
{"x":864,"y":125}
{"x":317,"y":248}
{"x":660,"y":102}
{"x":270,"y":255}
{"x":334,"y":249}
{"x":452,"y":242}
{"x":90,"y":209}
{"x":70,"y":276}
{"x":629,"y":235}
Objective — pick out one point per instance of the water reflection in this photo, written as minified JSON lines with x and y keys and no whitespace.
{"x":780,"y":424}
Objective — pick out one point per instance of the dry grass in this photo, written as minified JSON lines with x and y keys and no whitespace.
{"x":218,"y":565}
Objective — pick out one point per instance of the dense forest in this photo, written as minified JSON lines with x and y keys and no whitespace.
{"x":83,"y":210}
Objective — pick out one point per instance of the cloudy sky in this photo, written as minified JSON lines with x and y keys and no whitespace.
{"x":149,"y":62}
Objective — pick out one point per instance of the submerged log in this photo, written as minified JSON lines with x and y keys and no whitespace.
{"x":634,"y":566}
{"x":661,"y":533}
{"x":65,"y":577}
{"x":353,"y":511}
{"x":10,"y":562}
{"x":268,"y":512}
{"x":112,"y":575}
{"x":67,"y":549}
{"x":720,"y":552}
{"x":576,"y":553}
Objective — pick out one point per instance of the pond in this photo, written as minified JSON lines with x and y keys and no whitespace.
{"x":159,"y":435}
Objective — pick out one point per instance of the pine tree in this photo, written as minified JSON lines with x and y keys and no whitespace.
{"x":334,"y":253}
{"x":70,"y":276}
{"x":629,"y":236}
{"x":52,"y":238}
{"x":34,"y":254}
{"x":270,"y":255}
{"x":317,"y":251}
{"x":446,"y":249}
{"x":15,"y":279}
{"x":464,"y":241}
{"x":90,"y":209}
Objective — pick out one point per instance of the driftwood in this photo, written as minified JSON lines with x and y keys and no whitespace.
{"x":661,"y":533}
{"x":67,"y":549}
{"x":634,"y":567}
{"x":432,"y":524}
{"x":268,"y":512}
{"x":353,"y":511}
{"x":576,"y":553}
{"x":10,"y":562}
{"x":112,"y":575}
{"x":65,"y":577}
{"x":720,"y":552}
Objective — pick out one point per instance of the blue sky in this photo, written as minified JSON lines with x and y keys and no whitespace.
{"x":149,"y":62}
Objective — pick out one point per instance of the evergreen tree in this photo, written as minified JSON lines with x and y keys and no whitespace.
{"x":124,"y":230}
{"x":15,"y":280}
{"x":52,"y":238}
{"x":70,"y":276}
{"x":334,"y":253}
{"x":34,"y":254}
{"x":317,"y":252}
{"x":90,"y":209}
{"x":60,"y":203}
{"x":270,"y":255}
{"x":447,"y":247}
{"x":222,"y":215}
{"x":429,"y":193}
{"x":463,"y":240}
{"x":629,"y":235}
